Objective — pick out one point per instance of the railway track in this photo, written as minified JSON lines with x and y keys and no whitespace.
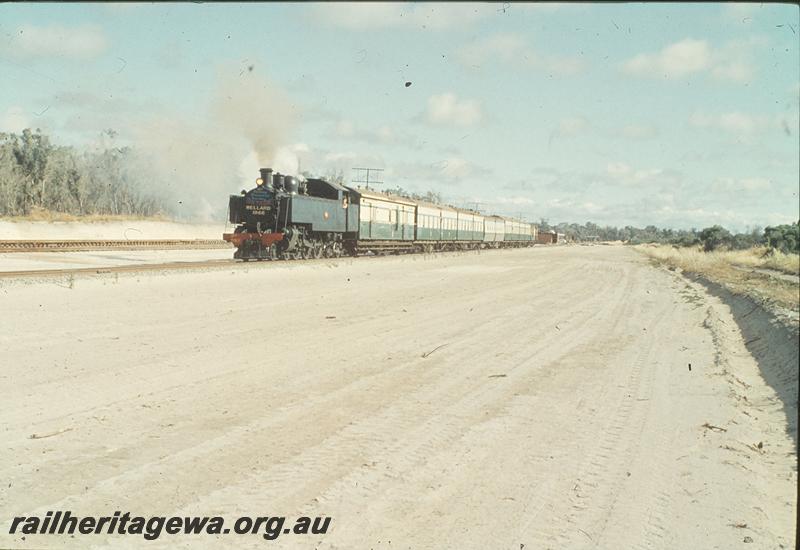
{"x":74,"y":246}
{"x":106,"y":244}
{"x":142,"y":267}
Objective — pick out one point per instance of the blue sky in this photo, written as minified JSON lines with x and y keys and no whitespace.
{"x":665,"y":114}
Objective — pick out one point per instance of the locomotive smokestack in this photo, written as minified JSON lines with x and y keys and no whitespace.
{"x":266,"y":175}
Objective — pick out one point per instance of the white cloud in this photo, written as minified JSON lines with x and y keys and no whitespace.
{"x":754,"y":184}
{"x":384,"y":134}
{"x":621,"y":173}
{"x":337,"y":157}
{"x":453,"y":169}
{"x":737,"y":123}
{"x":685,"y":57}
{"x":514,"y":50}
{"x":513,"y":201}
{"x":77,"y":42}
{"x":592,"y":208}
{"x":366,"y":16}
{"x":447,"y":109}
{"x":689,"y":57}
{"x":14,"y":120}
{"x":569,"y":127}
{"x":740,"y":185}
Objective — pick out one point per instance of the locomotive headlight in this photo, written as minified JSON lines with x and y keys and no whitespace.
{"x":260,"y":181}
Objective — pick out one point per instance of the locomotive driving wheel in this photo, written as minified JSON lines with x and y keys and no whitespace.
{"x":289,"y":255}
{"x":317,"y":249}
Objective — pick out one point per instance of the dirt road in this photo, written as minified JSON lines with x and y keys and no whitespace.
{"x":537,"y":398}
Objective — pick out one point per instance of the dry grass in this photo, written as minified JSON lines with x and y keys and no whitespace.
{"x":43,"y":215}
{"x":787,"y":263}
{"x":694,"y":259}
{"x":741,"y":271}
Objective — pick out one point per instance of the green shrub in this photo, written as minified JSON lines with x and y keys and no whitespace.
{"x":785,"y":238}
{"x":715,"y":236}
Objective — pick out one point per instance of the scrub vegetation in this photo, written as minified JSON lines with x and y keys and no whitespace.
{"x":763,"y":273}
{"x":40,"y":180}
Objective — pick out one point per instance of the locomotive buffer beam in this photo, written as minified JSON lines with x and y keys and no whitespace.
{"x":265,"y":239}
{"x":254,"y":246}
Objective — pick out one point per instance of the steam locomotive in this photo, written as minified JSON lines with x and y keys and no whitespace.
{"x":285,"y":217}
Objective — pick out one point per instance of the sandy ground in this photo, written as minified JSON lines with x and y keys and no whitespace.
{"x":132,"y":229}
{"x":537,"y":398}
{"x":36,"y":261}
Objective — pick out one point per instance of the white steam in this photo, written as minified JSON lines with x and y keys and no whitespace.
{"x":251,"y":108}
{"x":199,"y":161}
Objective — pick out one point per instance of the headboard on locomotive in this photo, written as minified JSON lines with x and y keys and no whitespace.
{"x":250,"y":205}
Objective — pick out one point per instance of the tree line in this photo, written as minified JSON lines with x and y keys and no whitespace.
{"x":785,"y":238}
{"x":35,"y":174}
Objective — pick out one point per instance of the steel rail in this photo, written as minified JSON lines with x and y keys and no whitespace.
{"x":108,"y":244}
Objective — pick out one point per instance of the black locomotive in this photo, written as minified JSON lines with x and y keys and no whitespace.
{"x":285,"y":217}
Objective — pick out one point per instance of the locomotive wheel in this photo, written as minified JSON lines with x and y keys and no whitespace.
{"x":317,"y":249}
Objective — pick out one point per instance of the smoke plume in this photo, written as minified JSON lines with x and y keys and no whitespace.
{"x":253,"y":108}
{"x":199,"y":159}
